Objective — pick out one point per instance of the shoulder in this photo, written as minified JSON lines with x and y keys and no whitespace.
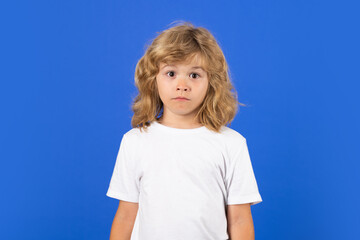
{"x":134,"y":135}
{"x":132,"y":132}
{"x":235,"y":143}
{"x":231,"y":136}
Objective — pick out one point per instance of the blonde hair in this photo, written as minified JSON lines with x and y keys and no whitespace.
{"x":177,"y":44}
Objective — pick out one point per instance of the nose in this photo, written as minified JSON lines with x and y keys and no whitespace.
{"x":182,"y":89}
{"x":182,"y":86}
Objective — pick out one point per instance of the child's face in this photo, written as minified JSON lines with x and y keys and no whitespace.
{"x":181,"y":80}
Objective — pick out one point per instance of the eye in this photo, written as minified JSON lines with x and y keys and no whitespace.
{"x":170,"y":72}
{"x":195,"y":74}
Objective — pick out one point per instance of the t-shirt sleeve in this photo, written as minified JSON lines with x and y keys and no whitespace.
{"x":240,"y":179}
{"x":124,"y":184}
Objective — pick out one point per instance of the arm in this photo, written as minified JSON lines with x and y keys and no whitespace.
{"x":124,"y":221}
{"x":240,"y":222}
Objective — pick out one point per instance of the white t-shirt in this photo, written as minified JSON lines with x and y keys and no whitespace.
{"x":182,"y":180}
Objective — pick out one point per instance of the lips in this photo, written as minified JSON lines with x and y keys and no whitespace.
{"x":182,"y":98}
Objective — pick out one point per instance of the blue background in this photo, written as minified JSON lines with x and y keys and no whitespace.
{"x":67,"y":70}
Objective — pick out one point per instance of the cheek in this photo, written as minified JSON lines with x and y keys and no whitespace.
{"x":163,"y":88}
{"x":203,"y":88}
{"x":165,"y":83}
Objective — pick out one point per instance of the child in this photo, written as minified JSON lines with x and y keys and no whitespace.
{"x":180,"y":173}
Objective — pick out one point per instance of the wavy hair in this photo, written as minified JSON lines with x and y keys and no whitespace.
{"x":181,"y":43}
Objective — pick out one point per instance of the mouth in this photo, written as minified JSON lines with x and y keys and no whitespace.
{"x":182,"y":99}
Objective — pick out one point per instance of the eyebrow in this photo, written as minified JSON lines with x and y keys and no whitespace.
{"x":196,"y":67}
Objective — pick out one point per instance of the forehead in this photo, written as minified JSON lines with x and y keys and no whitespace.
{"x":192,"y":61}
